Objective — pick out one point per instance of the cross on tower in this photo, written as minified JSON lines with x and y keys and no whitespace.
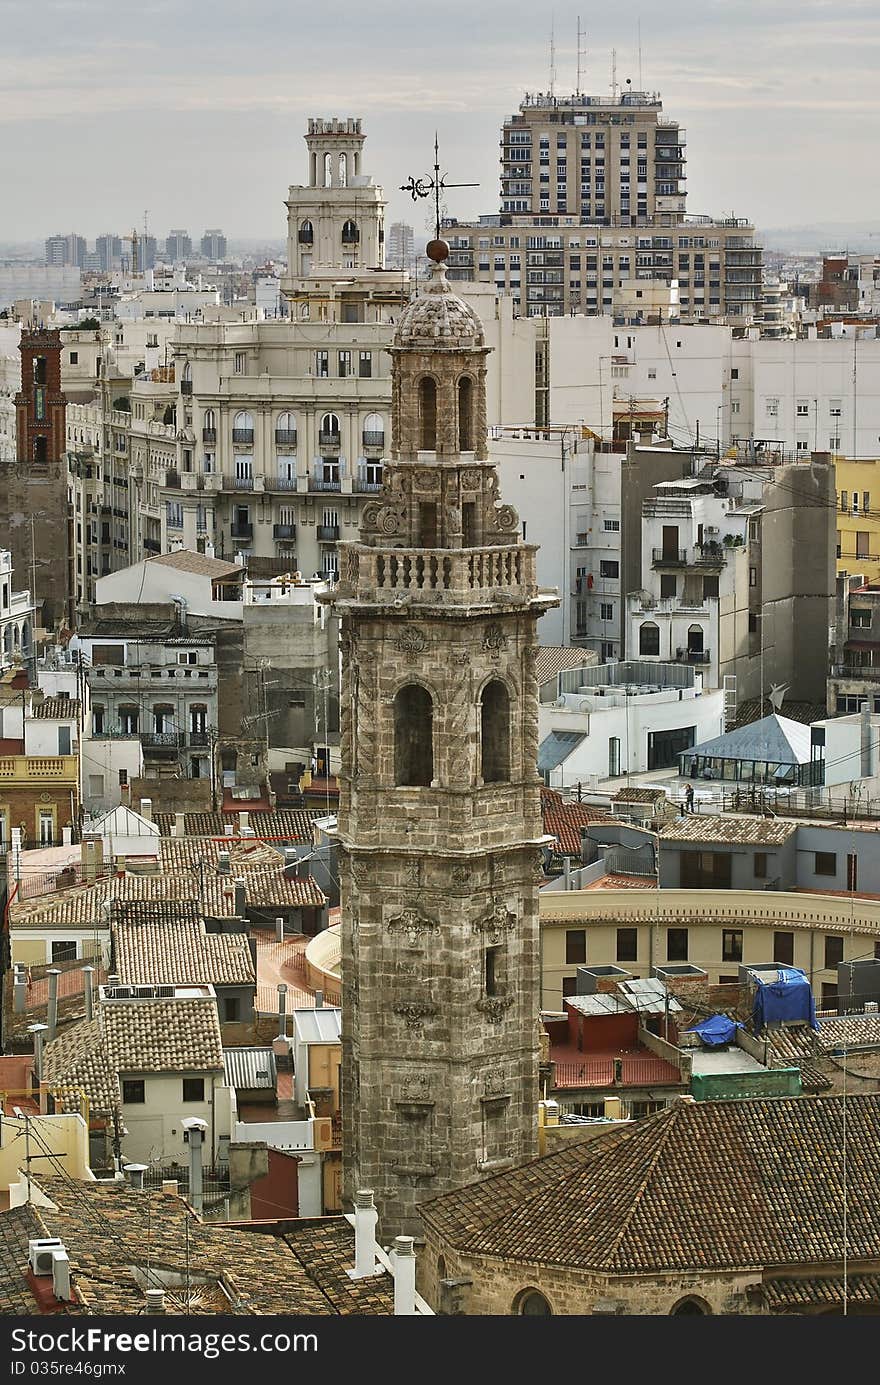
{"x":423,"y":187}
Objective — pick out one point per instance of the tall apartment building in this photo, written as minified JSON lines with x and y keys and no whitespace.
{"x":214,"y":245}
{"x":108,"y":249}
{"x":66,"y":250}
{"x":178,"y":245}
{"x":401,"y":246}
{"x":592,"y":199}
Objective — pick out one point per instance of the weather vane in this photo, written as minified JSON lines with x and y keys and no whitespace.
{"x":423,"y":187}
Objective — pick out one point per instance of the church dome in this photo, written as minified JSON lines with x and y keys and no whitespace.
{"x":437,"y":317}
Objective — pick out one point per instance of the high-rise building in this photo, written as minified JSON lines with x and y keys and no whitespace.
{"x":178,"y":246}
{"x":401,"y":246}
{"x":593,"y":202}
{"x":439,"y":813}
{"x":214,"y":245}
{"x":108,"y":249}
{"x":66,"y":250}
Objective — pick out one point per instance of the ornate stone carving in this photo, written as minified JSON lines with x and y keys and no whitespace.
{"x":471,"y":480}
{"x":414,"y":925}
{"x":415,"y":1012}
{"x":461,"y":878}
{"x":459,"y":714}
{"x":360,"y":873}
{"x":380,"y":519}
{"x":411,"y":642}
{"x":494,"y":639}
{"x":495,"y":923}
{"x":506,"y":519}
{"x":495,"y":1084}
{"x":425,"y":480}
{"x":365,"y":701}
{"x":494,"y":1007}
{"x":412,"y":871}
{"x":415,"y":1086}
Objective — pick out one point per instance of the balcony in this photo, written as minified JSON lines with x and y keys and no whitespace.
{"x":239,"y":483}
{"x":242,"y":437}
{"x":869,"y":672}
{"x":692,"y":656}
{"x":285,"y":532}
{"x":332,"y":440}
{"x":172,"y":480}
{"x":163,"y":740}
{"x":285,"y":437}
{"x":328,"y":533}
{"x":322,"y":483}
{"x":670,"y":557}
{"x":708,"y":555}
{"x":199,"y":739}
{"x":372,"y":439}
{"x":39,"y":768}
{"x":209,"y":436}
{"x":242,"y":531}
{"x":280,"y":483}
{"x":362,"y":487}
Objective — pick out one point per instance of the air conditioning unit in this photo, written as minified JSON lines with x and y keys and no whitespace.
{"x":119,"y":992}
{"x":145,"y":992}
{"x":711,"y":528}
{"x":40,"y":1254}
{"x":164,"y":992}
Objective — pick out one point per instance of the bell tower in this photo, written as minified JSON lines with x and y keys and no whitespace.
{"x":337,"y":221}
{"x":439,"y":814}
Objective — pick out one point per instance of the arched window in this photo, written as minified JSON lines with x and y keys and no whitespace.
{"x":25,"y":635}
{"x":187,"y":373}
{"x":328,"y":170}
{"x":695,"y":639}
{"x":343,"y":170}
{"x":210,"y":421}
{"x":374,"y":431}
{"x":413,"y":736}
{"x":350,"y":233}
{"x":329,"y":430}
{"x":243,"y":428}
{"x":465,"y":414}
{"x":649,"y":638}
{"x":306,"y":233}
{"x":427,"y":414}
{"x":441,"y":1268}
{"x":531,"y":1304}
{"x":495,"y":733}
{"x":285,"y":430}
{"x":690,"y":1307}
{"x":15,"y":636}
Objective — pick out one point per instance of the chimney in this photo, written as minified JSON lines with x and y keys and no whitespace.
{"x":240,"y":896}
{"x":319,"y":1000}
{"x":155,"y":1301}
{"x":209,"y":548}
{"x":223,"y":863}
{"x":89,"y":859}
{"x":38,"y":1031}
{"x":53,"y":974}
{"x":365,"y":1218}
{"x":88,"y":973}
{"x":290,"y":858}
{"x":196,"y":1129}
{"x":19,"y":988}
{"x":243,"y":822}
{"x":279,"y":930}
{"x":403,"y":1261}
{"x":60,"y":1272}
{"x":136,"y":1175}
{"x":147,"y":809}
{"x":169,"y":1187}
{"x":282,"y":1010}
{"x":180,"y":824}
{"x":551,"y":1112}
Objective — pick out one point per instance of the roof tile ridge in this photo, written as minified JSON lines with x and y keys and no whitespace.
{"x":637,"y":1196}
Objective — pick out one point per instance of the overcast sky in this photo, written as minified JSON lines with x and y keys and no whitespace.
{"x":196,"y":111}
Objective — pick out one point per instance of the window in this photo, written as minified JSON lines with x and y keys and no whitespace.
{"x":344,"y":363}
{"x":731,"y":945}
{"x":322,"y":364}
{"x":133,"y":1091}
{"x":833,"y":950}
{"x":63,"y":951}
{"x":760,"y":865}
{"x":606,"y":610}
{"x":613,"y":756}
{"x":575,"y":946}
{"x":491,"y":971}
{"x":863,"y":544}
{"x":852,"y":871}
{"x":427,"y":414}
{"x":668,"y":584}
{"x":627,"y":944}
{"x":74,"y":358}
{"x":465,"y":414}
{"x":194,"y":1089}
{"x":753,"y":576}
{"x":569,"y":986}
{"x":413,"y":736}
{"x":495,"y":733}
{"x":231,"y":1009}
{"x":783,"y":949}
{"x":609,"y":568}
{"x":239,"y":363}
{"x":676,"y":944}
{"x":860,"y":619}
{"x":649,"y":638}
{"x":365,"y":365}
{"x":825,"y":863}
{"x":531,"y":1304}
{"x":611,"y":526}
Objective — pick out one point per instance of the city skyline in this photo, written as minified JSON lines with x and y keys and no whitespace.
{"x":225,"y":134}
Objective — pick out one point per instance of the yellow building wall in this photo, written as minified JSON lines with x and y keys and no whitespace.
{"x":859,"y":478}
{"x":67,"y":1137}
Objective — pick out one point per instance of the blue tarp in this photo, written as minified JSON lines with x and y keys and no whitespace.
{"x":788,"y":997}
{"x":716,"y":1030}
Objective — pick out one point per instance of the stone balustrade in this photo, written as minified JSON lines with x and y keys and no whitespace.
{"x":422,"y":575}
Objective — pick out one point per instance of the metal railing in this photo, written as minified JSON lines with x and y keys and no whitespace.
{"x":675,"y":557}
{"x":239,"y":483}
{"x":328,"y":533}
{"x":284,"y":531}
{"x":372,"y":439}
{"x":361,"y":487}
{"x":318,"y":483}
{"x":870,"y":672}
{"x":242,"y":531}
{"x":280,"y":483}
{"x":285,"y":437}
{"x":243,"y":437}
{"x":209,"y":435}
{"x":329,"y":439}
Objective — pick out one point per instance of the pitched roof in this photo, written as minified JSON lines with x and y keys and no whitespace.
{"x":56,"y":709}
{"x":185,"y":560}
{"x":284,"y":824}
{"x":162,"y":1035}
{"x":17,"y":1227}
{"x":725,"y":828}
{"x":123,"y":822}
{"x":78,"y":1058}
{"x":110,"y":1231}
{"x":180,"y":951}
{"x":773,"y":739}
{"x":553,"y":658}
{"x":564,"y":822}
{"x":556,"y":747}
{"x":700,"y":1186}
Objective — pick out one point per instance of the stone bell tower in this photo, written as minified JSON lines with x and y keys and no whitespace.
{"x":439,"y":813}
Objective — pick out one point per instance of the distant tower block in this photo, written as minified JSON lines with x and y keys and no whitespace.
{"x":338,"y":220}
{"x":439,"y":813}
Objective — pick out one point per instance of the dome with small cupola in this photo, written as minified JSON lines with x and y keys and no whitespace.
{"x":437,"y":317}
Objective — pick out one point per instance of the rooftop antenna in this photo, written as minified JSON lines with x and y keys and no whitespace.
{"x":641,"y":86}
{"x":614,"y":75}
{"x":552,"y":57}
{"x":581,"y":36}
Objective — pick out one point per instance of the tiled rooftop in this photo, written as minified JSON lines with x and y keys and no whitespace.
{"x":78,"y":1059}
{"x":162,"y":1035}
{"x":56,"y":709}
{"x":553,"y":658}
{"x":704,"y":827}
{"x":715,"y":1185}
{"x":180,"y":951}
{"x":285,"y":824}
{"x":564,"y":822}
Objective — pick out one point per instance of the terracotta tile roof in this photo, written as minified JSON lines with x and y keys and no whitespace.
{"x":700,"y":1186}
{"x":704,"y":827}
{"x":285,"y":824}
{"x":849,"y":1031}
{"x":643,"y":794}
{"x":184,"y":560}
{"x":553,"y":658}
{"x":78,"y":1058}
{"x":623,"y":882}
{"x":162,"y":1035}
{"x":113,"y":1233}
{"x":56,"y":709}
{"x":17,"y":1227}
{"x":179,"y":951}
{"x":793,"y":1295}
{"x":565,"y":822}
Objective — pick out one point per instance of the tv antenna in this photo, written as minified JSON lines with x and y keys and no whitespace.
{"x":614,"y":74}
{"x":552,"y":57}
{"x":641,"y":86}
{"x":581,"y":36}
